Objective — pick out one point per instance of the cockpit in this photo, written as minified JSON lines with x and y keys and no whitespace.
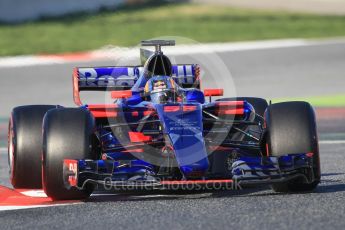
{"x":163,"y":89}
{"x":156,"y":83}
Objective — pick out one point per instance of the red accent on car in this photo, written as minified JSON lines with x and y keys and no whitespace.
{"x":310,"y":155}
{"x":171,"y":108}
{"x":231,"y":111}
{"x":135,"y":113}
{"x":103,"y":111}
{"x":189,"y":182}
{"x":133,"y":151}
{"x":189,"y":108}
{"x":72,"y":166}
{"x":230,"y":107}
{"x":104,"y":114}
{"x":102,"y":106}
{"x":138,"y":137}
{"x":267,"y":150}
{"x":148,"y":112}
{"x":76,"y":96}
{"x":213,"y":92}
{"x":230,"y":103}
{"x":121,"y":94}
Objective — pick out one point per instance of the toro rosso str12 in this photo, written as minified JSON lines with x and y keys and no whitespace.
{"x":160,"y":130}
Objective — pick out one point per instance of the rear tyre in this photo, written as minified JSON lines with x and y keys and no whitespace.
{"x":67,"y":134}
{"x":25,"y":145}
{"x":291,"y":128}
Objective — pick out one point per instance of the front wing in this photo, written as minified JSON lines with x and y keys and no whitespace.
{"x":139,"y":174}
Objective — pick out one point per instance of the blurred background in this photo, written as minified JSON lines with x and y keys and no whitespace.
{"x":279,"y":50}
{"x":276,"y":49}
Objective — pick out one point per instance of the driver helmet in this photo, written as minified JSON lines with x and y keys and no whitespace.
{"x":161,"y":89}
{"x":160,"y":83}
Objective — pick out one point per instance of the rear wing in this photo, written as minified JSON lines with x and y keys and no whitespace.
{"x":124,"y":78}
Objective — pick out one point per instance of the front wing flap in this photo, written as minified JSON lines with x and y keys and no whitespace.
{"x":244,"y":170}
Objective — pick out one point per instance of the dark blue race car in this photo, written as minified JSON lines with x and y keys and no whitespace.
{"x":161,"y":132}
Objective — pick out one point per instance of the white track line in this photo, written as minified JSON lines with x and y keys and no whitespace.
{"x":331,"y":142}
{"x":8,"y":208}
{"x":34,"y":193}
{"x":207,"y":48}
{"x":28,"y":60}
{"x":111,"y":53}
{"x":13,"y":207}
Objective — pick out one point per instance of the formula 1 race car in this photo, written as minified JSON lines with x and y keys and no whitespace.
{"x":161,"y":130}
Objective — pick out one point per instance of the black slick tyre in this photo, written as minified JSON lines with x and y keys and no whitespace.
{"x":67,"y":134}
{"x":290,"y":129}
{"x":25,"y":145}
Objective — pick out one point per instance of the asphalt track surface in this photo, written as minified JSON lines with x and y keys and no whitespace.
{"x":301,"y":71}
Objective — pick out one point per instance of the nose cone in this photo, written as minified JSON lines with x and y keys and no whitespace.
{"x":184,"y":128}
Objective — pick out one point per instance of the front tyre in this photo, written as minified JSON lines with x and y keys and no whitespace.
{"x":67,"y":134}
{"x":290,"y":129}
